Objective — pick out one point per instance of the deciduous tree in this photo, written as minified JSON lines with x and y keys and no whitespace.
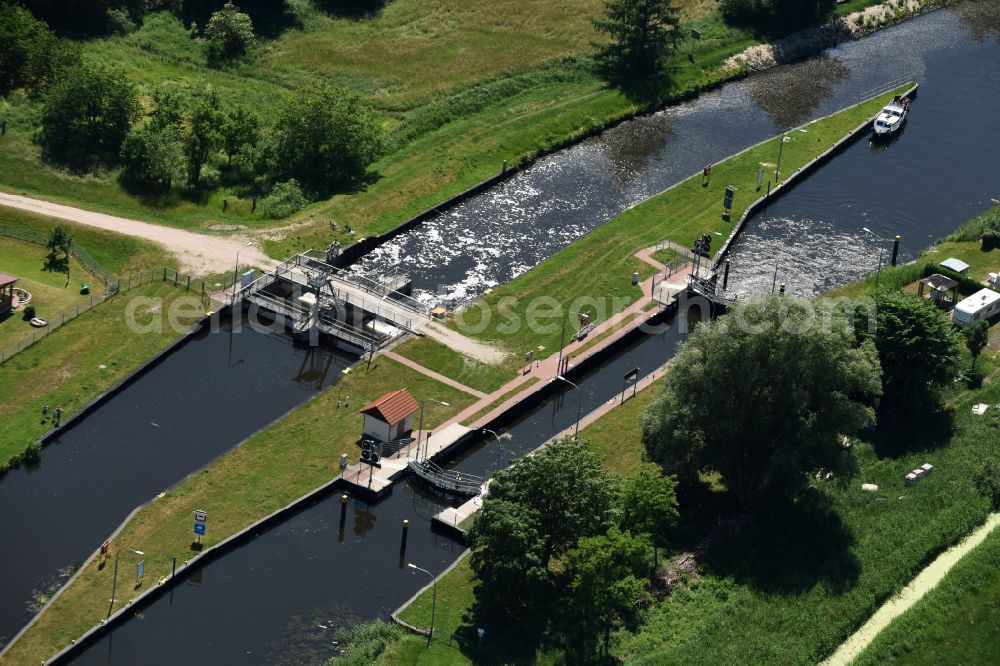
{"x":917,"y":349}
{"x":229,"y":32}
{"x":976,"y":339}
{"x":649,"y":506}
{"x":204,"y":137}
{"x":326,"y":139}
{"x":762,"y":395}
{"x":86,"y":116}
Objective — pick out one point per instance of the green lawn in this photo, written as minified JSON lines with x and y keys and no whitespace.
{"x":52,"y":290}
{"x":958,"y":622}
{"x":272,"y":468}
{"x":606,"y":255}
{"x":440,"y":358}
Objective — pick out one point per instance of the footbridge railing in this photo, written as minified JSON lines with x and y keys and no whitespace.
{"x":449,"y":480}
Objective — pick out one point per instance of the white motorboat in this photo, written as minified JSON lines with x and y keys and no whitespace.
{"x":892,"y":117}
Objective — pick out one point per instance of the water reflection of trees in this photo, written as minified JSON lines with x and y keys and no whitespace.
{"x":981,"y":18}
{"x":791,"y":93}
{"x":629,"y":147}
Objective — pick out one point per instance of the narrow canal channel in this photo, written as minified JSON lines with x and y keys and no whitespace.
{"x":280,"y":598}
{"x":496,"y":236}
{"x":208,"y":395}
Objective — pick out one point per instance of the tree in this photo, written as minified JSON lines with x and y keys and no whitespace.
{"x":153,"y":156}
{"x":606,"y":578}
{"x":229,"y":32}
{"x":535,"y":511}
{"x":240,"y":131}
{"x":285,"y":199}
{"x":204,"y":137}
{"x":86,"y":116}
{"x":976,"y":339}
{"x":642,"y":32}
{"x":762,"y":395}
{"x":31,"y":56}
{"x":649,"y":505}
{"x":60,"y":241}
{"x":512,"y":581}
{"x":326,"y":139}
{"x":916,"y":347}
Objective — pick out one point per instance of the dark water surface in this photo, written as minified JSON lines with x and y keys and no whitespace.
{"x":280,"y":598}
{"x":500,"y":234}
{"x":940,"y":170}
{"x":210,"y":394}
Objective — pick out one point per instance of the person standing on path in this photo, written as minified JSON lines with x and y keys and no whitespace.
{"x":57,"y":415}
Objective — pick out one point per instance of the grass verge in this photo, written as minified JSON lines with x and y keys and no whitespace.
{"x":957,"y":622}
{"x":503,"y":397}
{"x":269,"y":470}
{"x":443,"y":359}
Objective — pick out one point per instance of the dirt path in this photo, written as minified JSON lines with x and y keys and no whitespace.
{"x":911,"y":594}
{"x":199,"y":254}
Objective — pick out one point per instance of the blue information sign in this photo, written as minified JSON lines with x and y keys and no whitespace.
{"x":199,"y":528}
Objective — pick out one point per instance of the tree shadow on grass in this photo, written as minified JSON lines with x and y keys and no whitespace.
{"x":926,"y":430}
{"x":352,"y":9}
{"x":648,"y":92}
{"x":501,"y":645}
{"x":788,"y":549}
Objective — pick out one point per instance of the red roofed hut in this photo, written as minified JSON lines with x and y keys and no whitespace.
{"x":7,"y":283}
{"x":391,"y":416}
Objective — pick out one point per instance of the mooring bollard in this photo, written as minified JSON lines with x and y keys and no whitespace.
{"x":402,"y":543}
{"x":343,"y":511}
{"x":781,"y":289}
{"x":895,"y":249}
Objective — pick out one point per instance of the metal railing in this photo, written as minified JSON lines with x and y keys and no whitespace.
{"x":366,"y":284}
{"x":447,"y":480}
{"x":884,"y":88}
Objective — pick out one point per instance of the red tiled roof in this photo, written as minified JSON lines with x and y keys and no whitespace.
{"x":6,"y":279}
{"x":392,"y":407}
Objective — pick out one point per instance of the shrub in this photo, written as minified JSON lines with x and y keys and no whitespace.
{"x":229,"y":32}
{"x":991,"y":239}
{"x":119,"y":21}
{"x":363,"y":644}
{"x":987,"y":482}
{"x":32,"y":454}
{"x":285,"y":199}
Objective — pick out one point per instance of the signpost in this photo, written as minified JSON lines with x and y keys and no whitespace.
{"x":695,"y":37}
{"x":200,"y":523}
{"x":139,"y":570}
{"x":727,"y":201}
{"x":631,"y":377}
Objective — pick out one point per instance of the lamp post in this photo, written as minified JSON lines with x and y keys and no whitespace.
{"x":579,"y":405}
{"x":434,"y":598}
{"x":236,"y":270}
{"x":881,"y":250}
{"x":420,"y":430}
{"x":114,"y":584}
{"x":487,"y":430}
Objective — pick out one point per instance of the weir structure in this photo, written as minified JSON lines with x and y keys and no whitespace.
{"x":312,"y":295}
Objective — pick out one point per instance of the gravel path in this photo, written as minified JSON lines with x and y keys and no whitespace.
{"x":199,"y":254}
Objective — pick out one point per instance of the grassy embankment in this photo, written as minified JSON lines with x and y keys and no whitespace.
{"x":459,"y":87}
{"x":958,"y":622}
{"x":606,"y":255}
{"x":272,"y":468}
{"x":794,"y":590}
{"x":64,"y":367}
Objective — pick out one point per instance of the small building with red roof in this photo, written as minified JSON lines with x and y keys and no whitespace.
{"x":391,"y":416}
{"x":7,"y":283}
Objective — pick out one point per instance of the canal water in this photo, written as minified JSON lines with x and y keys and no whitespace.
{"x":216,"y":389}
{"x":280,"y":598}
{"x":940,"y":170}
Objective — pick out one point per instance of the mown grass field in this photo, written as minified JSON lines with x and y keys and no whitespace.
{"x":958,"y":622}
{"x":52,"y":291}
{"x":269,"y":470}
